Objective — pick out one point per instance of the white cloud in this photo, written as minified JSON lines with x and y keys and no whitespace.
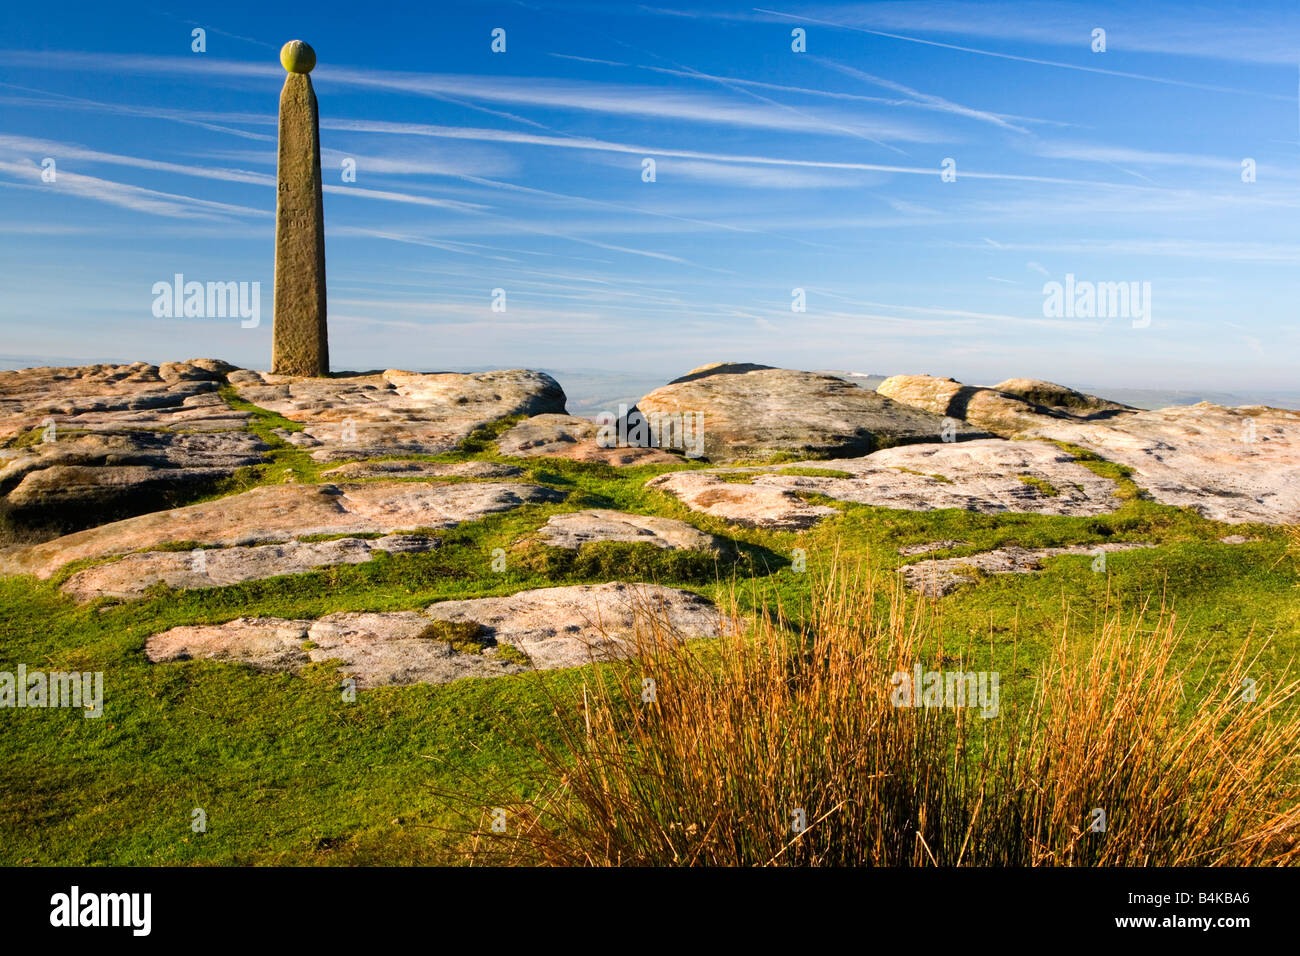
{"x":125,"y":196}
{"x":1250,"y":32}
{"x":929,"y":100}
{"x":1057,"y":64}
{"x":1096,"y":153}
{"x":649,"y":102}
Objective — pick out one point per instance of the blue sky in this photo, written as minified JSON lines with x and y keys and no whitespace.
{"x":775,"y":170}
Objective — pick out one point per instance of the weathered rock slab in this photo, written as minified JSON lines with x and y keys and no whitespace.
{"x":103,"y":489}
{"x":988,"y":476}
{"x":755,"y":412}
{"x":375,"y":649}
{"x":1060,"y":398}
{"x":576,"y":528}
{"x":96,"y":442}
{"x":387,"y":649}
{"x":393,"y":506}
{"x":175,"y":395}
{"x":564,"y":436}
{"x":277,"y":513}
{"x":396,"y":412}
{"x":553,"y":627}
{"x":749,"y":505}
{"x":132,"y":575}
{"x":927,"y":546}
{"x":938,"y":577}
{"x":1234,"y":465}
{"x":994,"y":411}
{"x":266,"y":643}
{"x":570,"y":626}
{"x":421,"y":469}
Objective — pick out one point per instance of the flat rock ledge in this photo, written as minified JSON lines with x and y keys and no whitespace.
{"x":938,"y":577}
{"x":988,"y":476}
{"x":748,"y":505}
{"x":278,"y":513}
{"x":360,"y":470}
{"x":926,"y":547}
{"x":131,"y":576}
{"x":1235,"y":465}
{"x":547,"y":628}
{"x":396,"y":412}
{"x":88,"y":441}
{"x":565,"y":436}
{"x":576,"y":528}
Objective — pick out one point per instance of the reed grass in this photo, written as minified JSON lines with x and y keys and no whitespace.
{"x":782,"y":745}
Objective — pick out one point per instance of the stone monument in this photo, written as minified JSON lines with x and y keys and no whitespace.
{"x":299,"y":342}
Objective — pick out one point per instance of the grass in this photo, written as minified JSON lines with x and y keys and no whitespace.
{"x":785,"y":745}
{"x":807,"y":472}
{"x":30,"y":438}
{"x":1122,"y":475}
{"x":1041,"y":485}
{"x":942,"y":479}
{"x":289,"y":772}
{"x":283,"y":461}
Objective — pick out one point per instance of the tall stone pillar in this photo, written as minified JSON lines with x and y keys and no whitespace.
{"x":299,"y":342}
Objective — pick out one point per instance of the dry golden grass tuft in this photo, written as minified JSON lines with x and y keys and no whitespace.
{"x":769,"y":725}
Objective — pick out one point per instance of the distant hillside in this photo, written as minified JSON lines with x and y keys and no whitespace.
{"x":1163,"y":398}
